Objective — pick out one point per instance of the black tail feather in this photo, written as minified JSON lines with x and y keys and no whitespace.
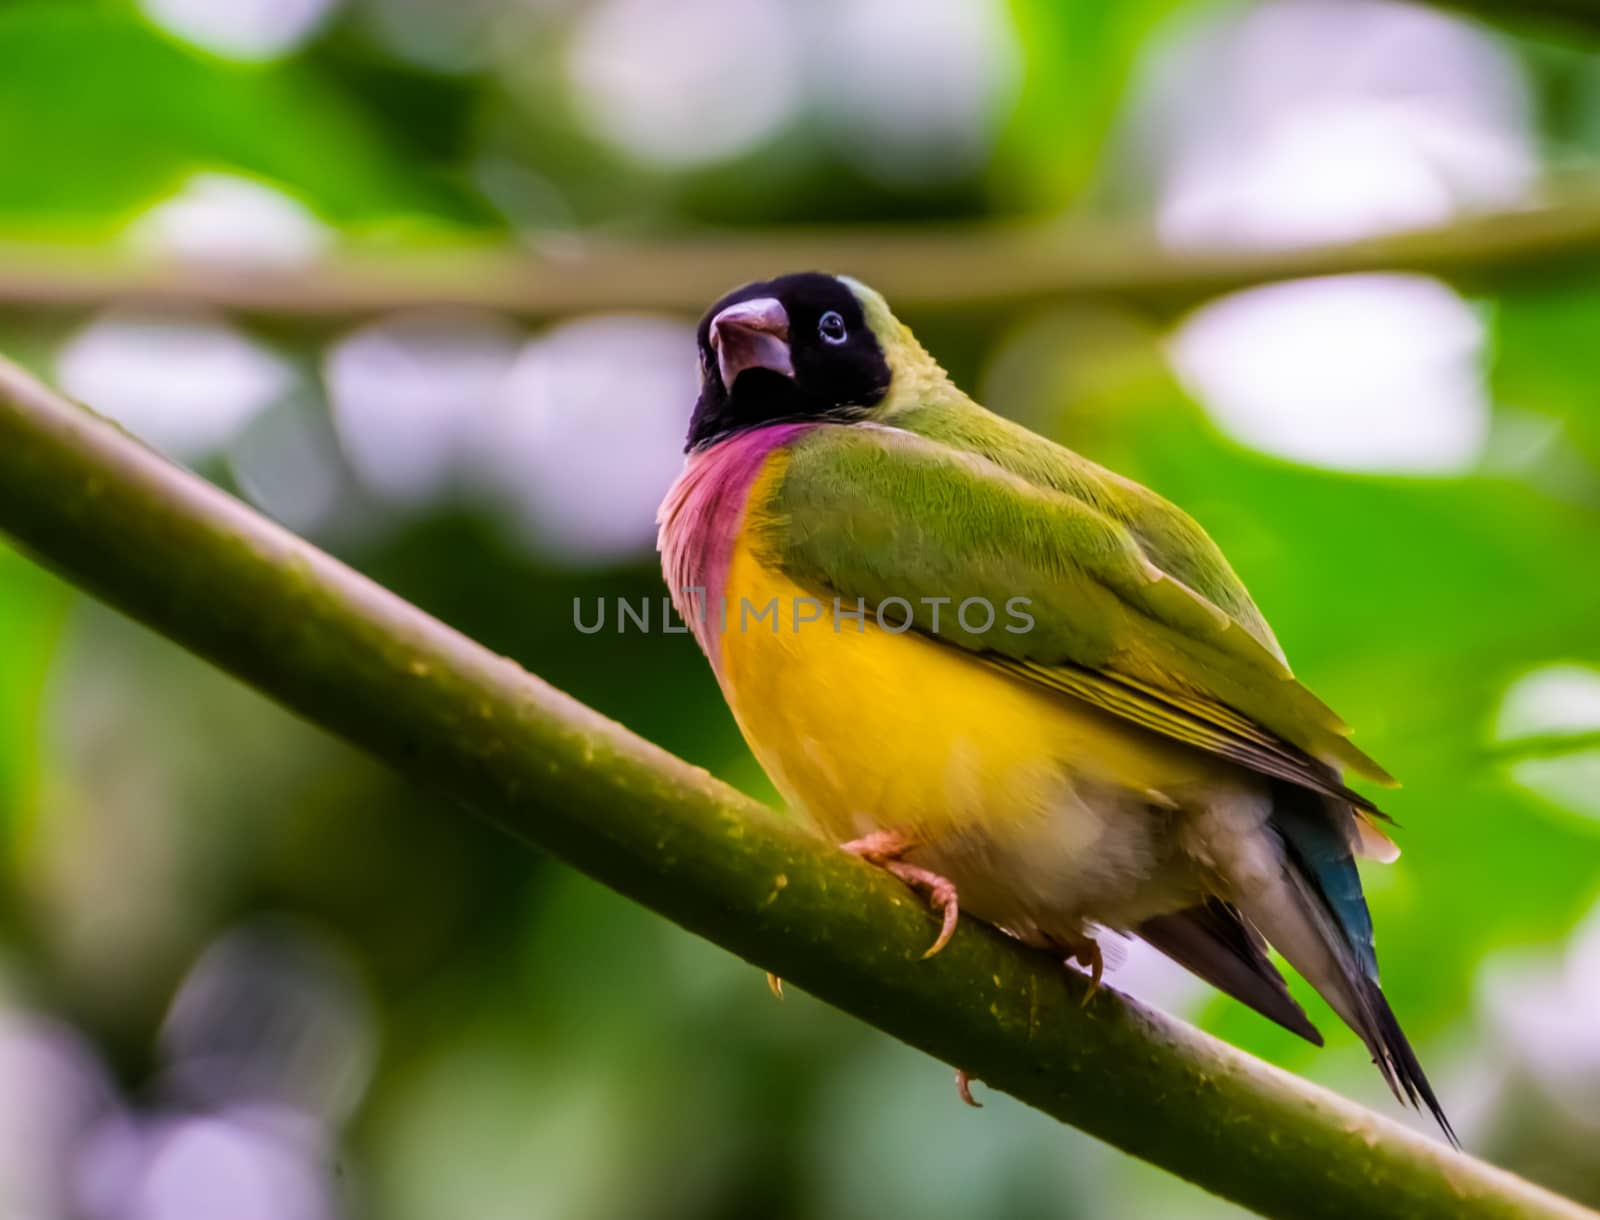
{"x":1214,"y":941}
{"x":1391,"y":1051}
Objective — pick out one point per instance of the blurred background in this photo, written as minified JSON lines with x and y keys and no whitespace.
{"x":244,"y":973}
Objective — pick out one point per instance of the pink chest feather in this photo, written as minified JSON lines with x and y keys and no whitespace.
{"x":701,"y":518}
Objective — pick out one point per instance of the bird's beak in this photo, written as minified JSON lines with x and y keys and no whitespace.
{"x":752,"y":335}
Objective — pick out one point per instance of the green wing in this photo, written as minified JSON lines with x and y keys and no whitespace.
{"x":880,"y":513}
{"x":1169,"y":537}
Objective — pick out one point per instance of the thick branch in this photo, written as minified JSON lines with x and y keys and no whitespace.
{"x":176,"y":553}
{"x":944,"y":268}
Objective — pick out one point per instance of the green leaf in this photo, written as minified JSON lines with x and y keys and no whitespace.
{"x":1079,"y":56}
{"x":101,"y":114}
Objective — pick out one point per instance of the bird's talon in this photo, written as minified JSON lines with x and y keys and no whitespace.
{"x":885,"y":849}
{"x":775,"y":984}
{"x":964,"y":1089}
{"x":1087,"y":954}
{"x":943,"y":899}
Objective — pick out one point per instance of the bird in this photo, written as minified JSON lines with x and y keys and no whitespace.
{"x":1027,"y":686}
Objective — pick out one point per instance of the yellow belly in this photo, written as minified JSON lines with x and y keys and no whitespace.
{"x":1040,"y":808}
{"x":1045,"y":812}
{"x":864,"y":727}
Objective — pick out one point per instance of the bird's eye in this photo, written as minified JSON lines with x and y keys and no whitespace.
{"x":831,"y":327}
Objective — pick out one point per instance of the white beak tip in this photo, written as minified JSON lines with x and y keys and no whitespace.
{"x":752,"y":335}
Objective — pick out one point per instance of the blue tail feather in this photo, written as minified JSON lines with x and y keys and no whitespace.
{"x":1315,"y":833}
{"x":1321,"y":847}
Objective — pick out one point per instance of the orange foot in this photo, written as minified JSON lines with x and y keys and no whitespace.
{"x":885,"y":849}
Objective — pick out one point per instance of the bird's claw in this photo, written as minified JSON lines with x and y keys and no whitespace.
{"x":1087,"y":954}
{"x":775,"y":984}
{"x":942,"y":898}
{"x":964,"y":1089}
{"x":885,"y":849}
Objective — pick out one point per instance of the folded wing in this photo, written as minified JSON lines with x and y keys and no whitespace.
{"x":879,"y":513}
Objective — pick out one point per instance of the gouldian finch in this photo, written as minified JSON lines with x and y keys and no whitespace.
{"x":1024,"y":684}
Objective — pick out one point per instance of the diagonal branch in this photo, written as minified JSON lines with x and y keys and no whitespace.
{"x":176,"y":553}
{"x":952,"y":267}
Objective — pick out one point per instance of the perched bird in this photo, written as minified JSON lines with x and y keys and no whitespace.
{"x":1026,"y":685}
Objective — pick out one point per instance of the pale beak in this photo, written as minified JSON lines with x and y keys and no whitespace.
{"x":752,"y":335}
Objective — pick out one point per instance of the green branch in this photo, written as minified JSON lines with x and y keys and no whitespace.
{"x":951,"y":267}
{"x":177,"y":554}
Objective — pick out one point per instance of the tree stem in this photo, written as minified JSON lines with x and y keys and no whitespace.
{"x":179,"y":555}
